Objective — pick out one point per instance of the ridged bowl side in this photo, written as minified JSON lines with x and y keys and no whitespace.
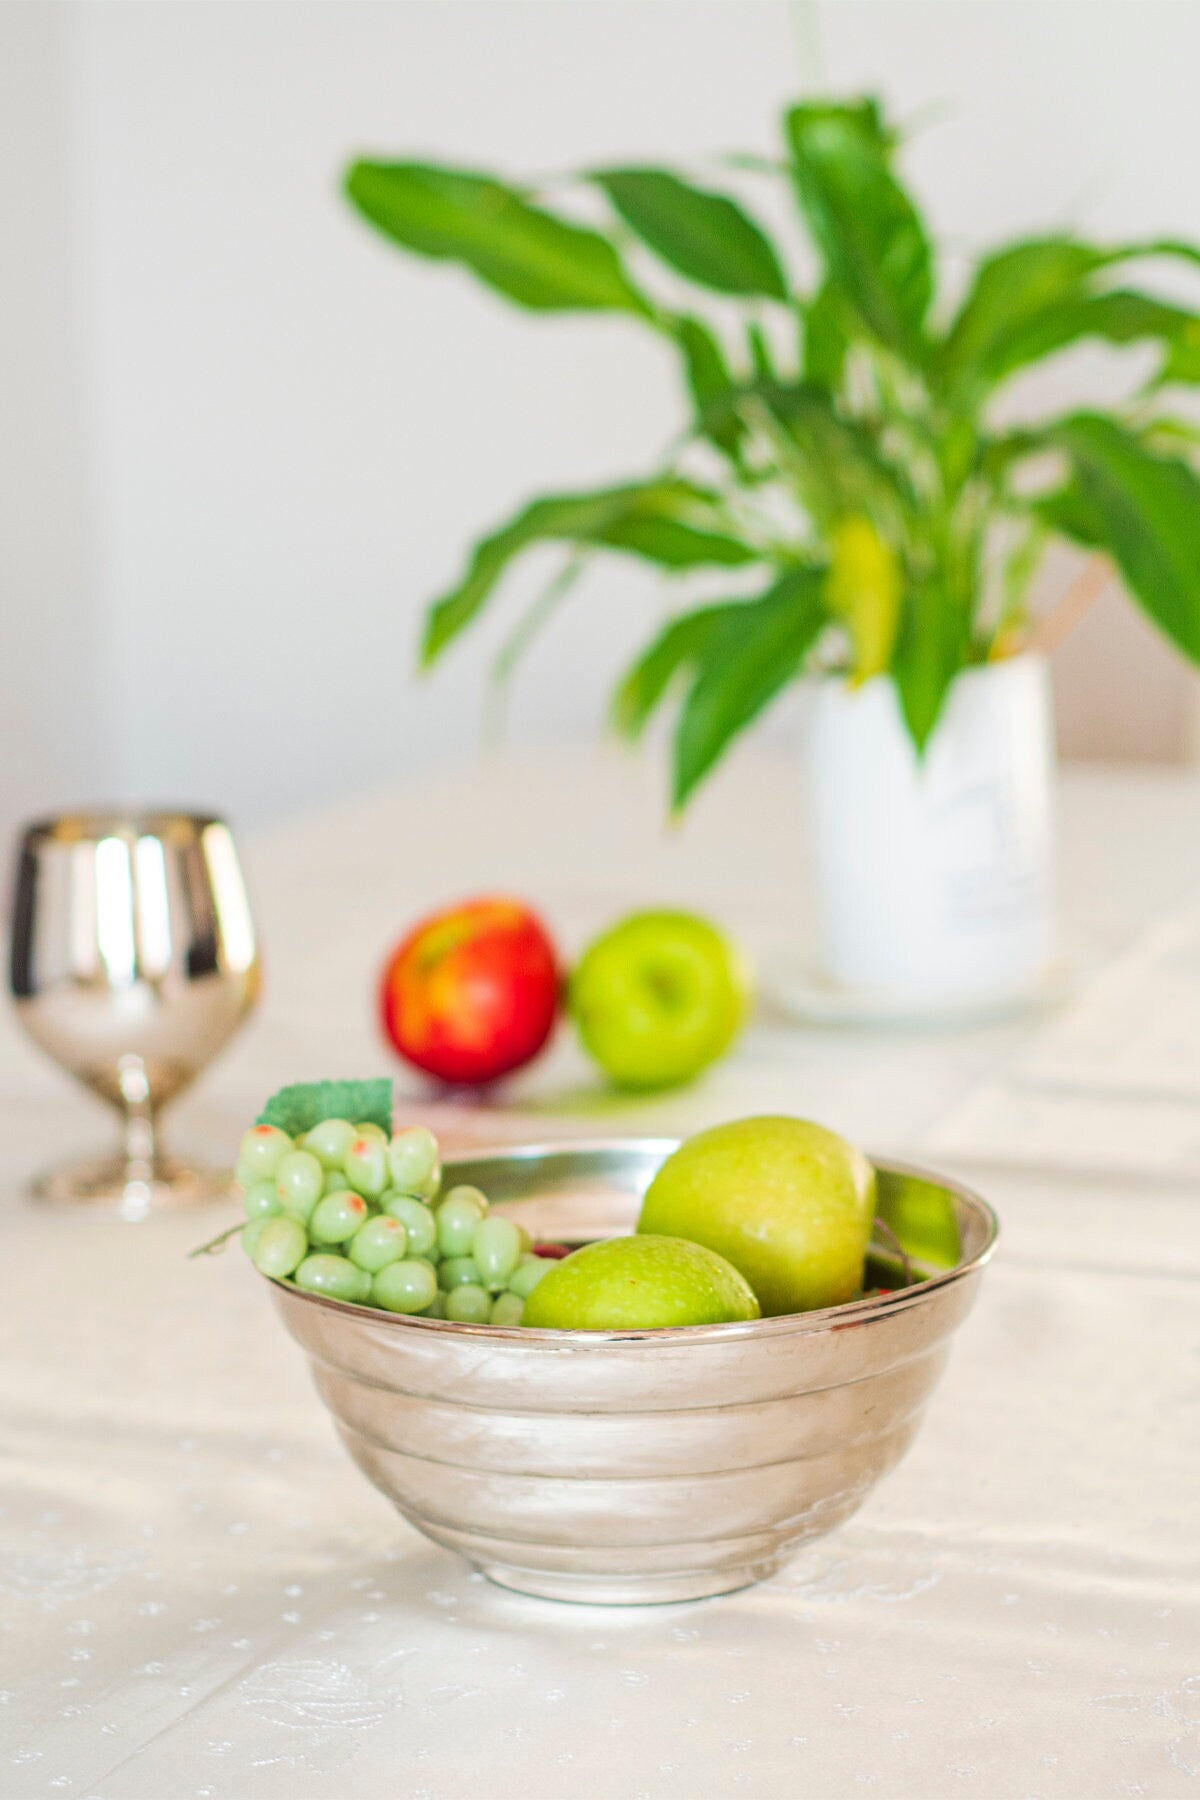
{"x":637,"y":1466}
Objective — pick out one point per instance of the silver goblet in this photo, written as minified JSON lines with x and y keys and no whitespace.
{"x":134,"y":959}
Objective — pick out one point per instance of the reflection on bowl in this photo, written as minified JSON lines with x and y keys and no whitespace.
{"x":642,"y":1466}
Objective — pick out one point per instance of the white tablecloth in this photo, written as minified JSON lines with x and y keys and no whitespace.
{"x":200,"y":1595}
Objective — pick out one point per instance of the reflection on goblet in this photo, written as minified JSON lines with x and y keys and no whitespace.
{"x":134,"y":959}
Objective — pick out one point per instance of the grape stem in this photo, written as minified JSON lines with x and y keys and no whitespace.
{"x":214,"y":1245}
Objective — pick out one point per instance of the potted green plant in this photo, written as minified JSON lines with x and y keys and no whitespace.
{"x":866,"y":522}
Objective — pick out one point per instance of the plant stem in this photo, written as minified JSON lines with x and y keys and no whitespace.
{"x":522,"y":636}
{"x":1073,"y":608}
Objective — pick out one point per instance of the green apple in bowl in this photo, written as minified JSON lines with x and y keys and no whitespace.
{"x":639,"y":1283}
{"x":657,"y":998}
{"x":787,"y":1202}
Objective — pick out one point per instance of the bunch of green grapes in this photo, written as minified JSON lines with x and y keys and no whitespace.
{"x":347,"y":1212}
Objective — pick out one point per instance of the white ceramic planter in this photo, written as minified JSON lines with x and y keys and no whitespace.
{"x":933,"y":879}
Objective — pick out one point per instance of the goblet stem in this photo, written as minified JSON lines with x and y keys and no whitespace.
{"x":141,"y":1144}
{"x":141,"y":1138}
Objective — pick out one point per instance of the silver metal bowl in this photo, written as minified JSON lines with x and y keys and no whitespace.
{"x":622,"y":1467}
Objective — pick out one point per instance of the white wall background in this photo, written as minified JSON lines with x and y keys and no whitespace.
{"x":242,"y":441}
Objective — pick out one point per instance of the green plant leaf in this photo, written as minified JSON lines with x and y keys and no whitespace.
{"x":673,"y":544}
{"x":1033,"y":298}
{"x":1017,"y":571}
{"x":864,"y":117}
{"x":678,"y":646}
{"x":1068,"y":512}
{"x":745,"y":663}
{"x":711,"y":385}
{"x":1118,"y":317}
{"x":1167,"y":433}
{"x":863,"y":589}
{"x":1182,"y":360}
{"x":826,"y":339}
{"x":540,"y":261}
{"x":931,"y":648}
{"x":761,"y":359}
{"x":1147,"y":509}
{"x":836,"y":461}
{"x":867,"y":229}
{"x":1011,"y":288}
{"x":671,"y":522}
{"x":299,"y":1107}
{"x":703,"y":235}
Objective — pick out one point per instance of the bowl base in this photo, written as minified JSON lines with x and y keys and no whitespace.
{"x":590,"y":1589}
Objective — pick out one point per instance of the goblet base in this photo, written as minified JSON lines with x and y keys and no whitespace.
{"x":107,"y":1186}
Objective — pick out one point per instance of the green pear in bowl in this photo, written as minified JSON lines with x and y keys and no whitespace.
{"x":787,"y":1202}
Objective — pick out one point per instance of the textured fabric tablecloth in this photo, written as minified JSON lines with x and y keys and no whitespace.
{"x":201,"y":1597}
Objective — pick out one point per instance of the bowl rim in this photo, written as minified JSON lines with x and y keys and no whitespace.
{"x":827,"y":1318}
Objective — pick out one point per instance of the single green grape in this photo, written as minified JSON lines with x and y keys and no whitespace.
{"x":260,"y":1153}
{"x":496,"y":1248}
{"x":335,"y":1180}
{"x":329,"y":1141}
{"x":415,"y":1162}
{"x":298,"y":1182}
{"x":456,"y":1270}
{"x":457,"y":1217}
{"x":526,"y":1240}
{"x":377,"y":1243}
{"x":506,"y":1310}
{"x":365,"y":1163}
{"x":528,"y":1272}
{"x":469,"y":1304}
{"x":280,"y":1248}
{"x":436,"y":1308}
{"x":334,"y":1276}
{"x":417,"y":1220}
{"x":250,"y":1234}
{"x":337,"y":1217}
{"x":404,"y":1287}
{"x":261,"y":1201}
{"x":369,"y":1129}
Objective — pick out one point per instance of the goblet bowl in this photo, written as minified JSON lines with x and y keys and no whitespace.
{"x":134,"y":958}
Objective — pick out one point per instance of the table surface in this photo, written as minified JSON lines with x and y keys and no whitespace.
{"x":201,"y":1596}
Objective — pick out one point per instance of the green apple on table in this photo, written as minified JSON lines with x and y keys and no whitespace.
{"x":788,"y":1203}
{"x":639,"y":1283}
{"x":658,"y":997}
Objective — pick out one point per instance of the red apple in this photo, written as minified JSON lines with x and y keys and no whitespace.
{"x":472,"y":992}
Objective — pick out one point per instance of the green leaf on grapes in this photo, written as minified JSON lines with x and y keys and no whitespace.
{"x":305,"y":1103}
